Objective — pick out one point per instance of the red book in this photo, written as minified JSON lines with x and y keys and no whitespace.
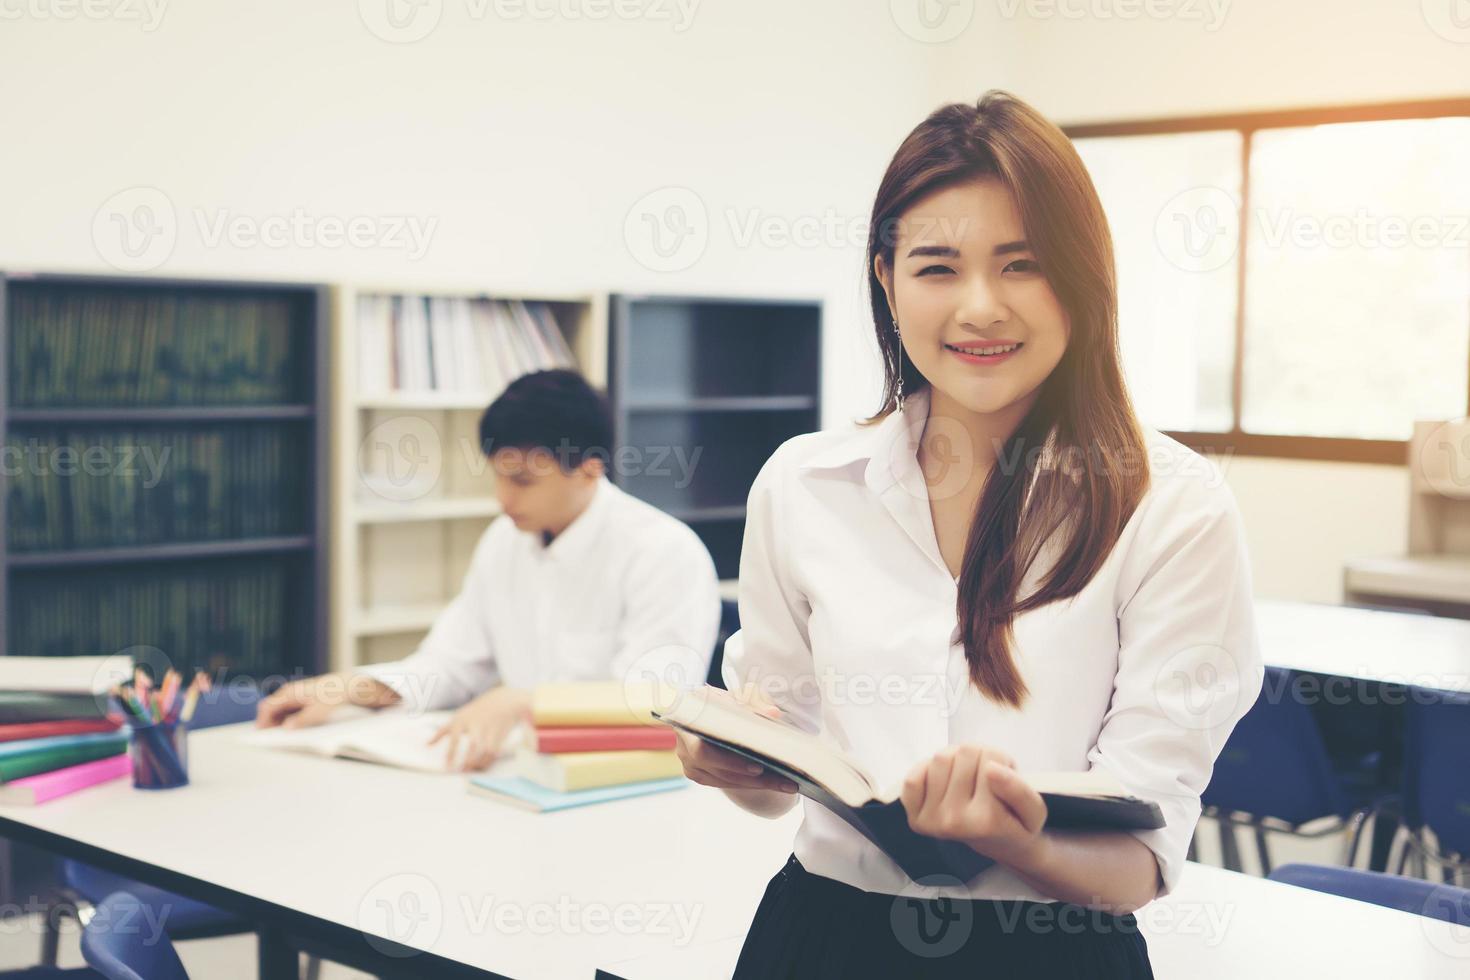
{"x":45,"y":729}
{"x":603,"y":738}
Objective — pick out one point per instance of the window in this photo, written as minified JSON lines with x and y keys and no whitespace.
{"x":1292,"y":284}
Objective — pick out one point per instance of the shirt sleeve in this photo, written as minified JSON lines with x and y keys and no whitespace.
{"x":1189,"y":661}
{"x":671,"y":614}
{"x":455,"y":661}
{"x":772,"y":648}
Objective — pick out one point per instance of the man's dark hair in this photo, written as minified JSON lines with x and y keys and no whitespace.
{"x":553,"y":410}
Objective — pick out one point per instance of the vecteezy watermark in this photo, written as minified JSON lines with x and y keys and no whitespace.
{"x":406,"y":912}
{"x":1210,"y":13}
{"x":35,"y":457}
{"x":1199,"y":229}
{"x":1450,"y":19}
{"x":400,"y":459}
{"x":1444,"y":458}
{"x":147,"y":13}
{"x":137,"y":229}
{"x":932,"y":21}
{"x":1202,"y":687}
{"x":401,"y":914}
{"x":659,"y":678}
{"x":931,"y":925}
{"x":407,"y":21}
{"x":669,"y":229}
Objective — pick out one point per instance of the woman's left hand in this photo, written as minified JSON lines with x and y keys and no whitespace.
{"x":975,"y":795}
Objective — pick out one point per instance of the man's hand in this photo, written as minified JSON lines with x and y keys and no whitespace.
{"x":482,"y":726}
{"x":313,"y":700}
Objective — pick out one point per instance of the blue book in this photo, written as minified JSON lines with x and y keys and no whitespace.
{"x":59,"y":741}
{"x":525,"y":794}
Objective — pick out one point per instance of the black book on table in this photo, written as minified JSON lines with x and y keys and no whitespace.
{"x":1074,"y":800}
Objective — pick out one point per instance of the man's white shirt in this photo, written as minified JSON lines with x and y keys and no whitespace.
{"x":623,"y":592}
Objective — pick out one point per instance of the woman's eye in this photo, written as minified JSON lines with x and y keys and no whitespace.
{"x":933,"y":269}
{"x":1028,"y":265}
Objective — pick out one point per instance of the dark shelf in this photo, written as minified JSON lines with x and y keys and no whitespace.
{"x":159,"y":552}
{"x":752,"y":403}
{"x":162,"y":413}
{"x":690,"y":515}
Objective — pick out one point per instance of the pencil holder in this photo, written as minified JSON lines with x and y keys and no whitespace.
{"x":160,"y":755}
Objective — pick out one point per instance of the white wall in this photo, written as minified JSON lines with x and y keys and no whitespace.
{"x":526,"y":142}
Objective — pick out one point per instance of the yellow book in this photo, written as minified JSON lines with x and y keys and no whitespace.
{"x":569,"y":771}
{"x":599,"y":703}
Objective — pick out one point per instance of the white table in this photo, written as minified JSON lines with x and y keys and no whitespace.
{"x":1217,"y":925}
{"x":348,"y":854}
{"x":1366,"y":644}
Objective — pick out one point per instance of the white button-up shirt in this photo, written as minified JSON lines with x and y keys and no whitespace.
{"x":623,"y":590}
{"x":848,"y":622}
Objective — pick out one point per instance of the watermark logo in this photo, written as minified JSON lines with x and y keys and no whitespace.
{"x":1450,"y":19}
{"x":135,"y":230}
{"x":667,"y":230}
{"x":932,"y":21}
{"x":1444,"y":458}
{"x":400,"y":21}
{"x":147,"y":13}
{"x":403,"y":909}
{"x":1198,"y":230}
{"x":1199,"y":687}
{"x":401,"y":459}
{"x":931,"y":926}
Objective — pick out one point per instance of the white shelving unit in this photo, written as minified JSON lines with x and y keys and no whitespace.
{"x":412,"y":493}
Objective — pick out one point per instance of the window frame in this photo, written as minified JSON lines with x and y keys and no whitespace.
{"x":1247,"y":124}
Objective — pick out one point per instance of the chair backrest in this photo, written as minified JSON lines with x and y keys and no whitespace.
{"x":126,"y":940}
{"x":1436,"y":778}
{"x":1448,"y":903}
{"x":1275,"y":764}
{"x":729,"y":624}
{"x":226,"y":704}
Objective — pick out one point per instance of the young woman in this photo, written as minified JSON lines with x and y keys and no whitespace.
{"x":1002,"y":572}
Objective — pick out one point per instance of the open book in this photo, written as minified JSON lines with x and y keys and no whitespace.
{"x":1074,"y":800}
{"x":389,"y":737}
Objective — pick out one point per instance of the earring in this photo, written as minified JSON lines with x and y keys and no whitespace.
{"x":899,"y":357}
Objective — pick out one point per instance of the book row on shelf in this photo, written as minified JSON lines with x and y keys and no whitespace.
{"x":123,"y":487}
{"x":433,"y":343}
{"x":143,"y":348}
{"x":213,"y":616}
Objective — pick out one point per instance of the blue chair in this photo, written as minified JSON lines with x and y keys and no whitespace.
{"x":122,"y":942}
{"x":1444,"y":902}
{"x":187,"y":919}
{"x":1275,"y":775}
{"x":729,"y":624}
{"x":1437,"y":781}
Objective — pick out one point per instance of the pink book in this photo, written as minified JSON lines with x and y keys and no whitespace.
{"x":63,"y":782}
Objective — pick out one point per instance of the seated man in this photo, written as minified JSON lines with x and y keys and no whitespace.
{"x":576,"y":581}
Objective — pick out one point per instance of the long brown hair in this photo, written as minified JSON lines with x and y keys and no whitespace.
{"x":1082,"y":410}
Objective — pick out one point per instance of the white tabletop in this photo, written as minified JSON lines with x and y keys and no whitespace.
{"x":1218,"y":925}
{"x":1367,"y":644}
{"x":416,"y":858}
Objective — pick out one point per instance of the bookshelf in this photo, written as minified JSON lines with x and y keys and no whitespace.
{"x":1434,"y":574}
{"x":727,"y":378}
{"x":413,"y":491}
{"x":163,"y":483}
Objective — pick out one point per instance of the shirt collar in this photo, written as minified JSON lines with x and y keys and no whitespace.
{"x":890,"y":448}
{"x":577,"y":538}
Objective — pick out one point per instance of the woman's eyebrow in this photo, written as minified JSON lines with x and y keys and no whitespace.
{"x":948,"y":252}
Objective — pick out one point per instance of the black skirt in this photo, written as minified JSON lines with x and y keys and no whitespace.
{"x":809,"y":927}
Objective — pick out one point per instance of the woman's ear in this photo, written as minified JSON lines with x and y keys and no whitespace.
{"x":885,"y":277}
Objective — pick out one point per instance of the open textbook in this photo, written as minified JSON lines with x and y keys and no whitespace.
{"x":389,"y":737}
{"x":1074,"y":800}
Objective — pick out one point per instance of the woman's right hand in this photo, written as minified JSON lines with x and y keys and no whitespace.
{"x":710,"y":765}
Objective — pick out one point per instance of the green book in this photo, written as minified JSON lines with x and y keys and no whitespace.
{"x":23,"y":706}
{"x":24,"y":764}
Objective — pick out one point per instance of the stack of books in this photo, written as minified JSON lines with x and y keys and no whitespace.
{"x":588,"y":743}
{"x":56,"y":736}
